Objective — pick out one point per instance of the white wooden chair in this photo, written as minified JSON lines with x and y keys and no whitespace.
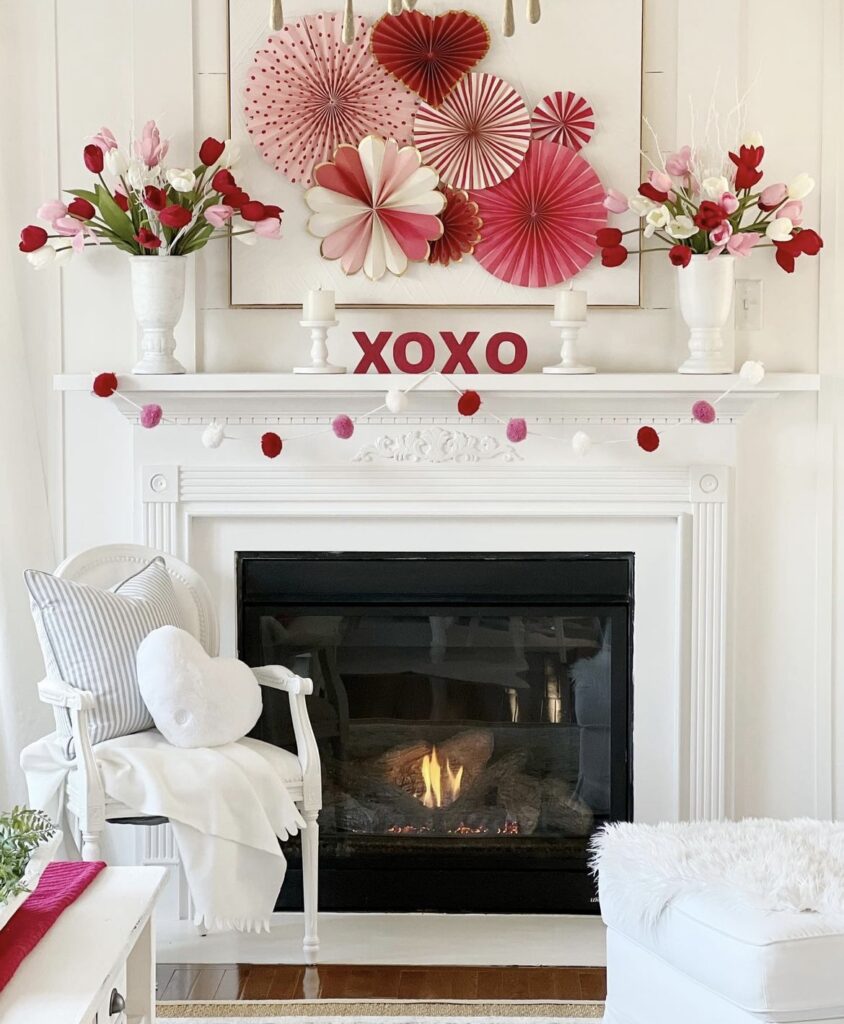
{"x":86,"y":800}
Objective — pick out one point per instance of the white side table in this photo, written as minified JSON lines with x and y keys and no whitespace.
{"x":101,"y":943}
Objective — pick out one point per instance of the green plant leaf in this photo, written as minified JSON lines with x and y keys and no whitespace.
{"x":111,"y":213}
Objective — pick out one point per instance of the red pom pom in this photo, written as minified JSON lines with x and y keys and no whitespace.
{"x":647,"y":439}
{"x":703,"y":411}
{"x":516,"y":430}
{"x":271,"y":445}
{"x":105,"y":384}
{"x":343,"y":426}
{"x":468,"y":403}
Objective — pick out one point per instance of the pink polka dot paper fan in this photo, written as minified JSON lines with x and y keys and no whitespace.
{"x":540,"y":224}
{"x":564,"y":118}
{"x":478,"y":136}
{"x":307,"y":92}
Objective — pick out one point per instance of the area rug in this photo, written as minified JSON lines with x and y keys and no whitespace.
{"x":325,"y":1011}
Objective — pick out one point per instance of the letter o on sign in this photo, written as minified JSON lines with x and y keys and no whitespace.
{"x":426,"y":352}
{"x":493,"y":352}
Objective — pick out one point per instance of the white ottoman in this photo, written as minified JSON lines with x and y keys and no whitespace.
{"x":716,"y":953}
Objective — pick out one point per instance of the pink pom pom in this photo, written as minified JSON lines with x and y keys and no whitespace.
{"x":151,"y":415}
{"x":704,"y":412}
{"x":343,"y":426}
{"x":516,"y":430}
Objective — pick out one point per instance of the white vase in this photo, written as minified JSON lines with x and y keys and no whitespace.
{"x":158,"y":294}
{"x":705,"y":290}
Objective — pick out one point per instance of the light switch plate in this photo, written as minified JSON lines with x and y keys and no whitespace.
{"x":748,"y":305}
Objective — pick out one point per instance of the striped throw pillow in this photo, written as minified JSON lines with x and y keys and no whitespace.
{"x":89,"y":638}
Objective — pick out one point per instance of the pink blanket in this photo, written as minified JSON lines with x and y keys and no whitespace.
{"x":60,"y":885}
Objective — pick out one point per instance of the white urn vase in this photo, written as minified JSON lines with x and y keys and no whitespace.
{"x":158,"y":294}
{"x":705,"y":290}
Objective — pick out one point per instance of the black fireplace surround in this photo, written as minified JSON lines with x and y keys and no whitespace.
{"x":473,"y":713}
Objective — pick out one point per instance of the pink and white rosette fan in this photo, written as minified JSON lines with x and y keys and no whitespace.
{"x":564,"y":118}
{"x":375,"y":207}
{"x":307,"y":92}
{"x":540,"y":224}
{"x":478,"y":136}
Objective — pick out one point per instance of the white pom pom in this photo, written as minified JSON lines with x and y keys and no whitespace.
{"x":212,"y":436}
{"x":396,"y":401}
{"x":752,"y":372}
{"x":581,"y":443}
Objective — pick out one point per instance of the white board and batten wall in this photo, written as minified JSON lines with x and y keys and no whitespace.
{"x":120,"y":63}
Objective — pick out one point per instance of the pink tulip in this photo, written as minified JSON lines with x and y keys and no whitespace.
{"x":615,"y":202}
{"x":660,"y":181}
{"x":270,"y":227}
{"x":68,"y":226}
{"x":679,"y":164}
{"x":218,"y":215}
{"x":741,"y":244}
{"x":149,"y":147}
{"x":52,"y":210}
{"x":793,"y":210}
{"x":105,"y":140}
{"x":772,"y":196}
{"x":729,"y":202}
{"x":721,"y":235}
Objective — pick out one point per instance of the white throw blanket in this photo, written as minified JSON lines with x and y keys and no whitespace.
{"x":226,"y":806}
{"x":776,"y":865}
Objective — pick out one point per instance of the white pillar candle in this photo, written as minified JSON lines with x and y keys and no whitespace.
{"x":319,"y":306}
{"x":570,"y":305}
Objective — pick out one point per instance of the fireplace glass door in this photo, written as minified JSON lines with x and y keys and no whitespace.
{"x":472,"y":713}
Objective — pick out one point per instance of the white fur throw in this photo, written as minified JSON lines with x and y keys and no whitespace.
{"x":778,"y":865}
{"x":195,"y":700}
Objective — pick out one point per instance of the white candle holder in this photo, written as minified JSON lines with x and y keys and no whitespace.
{"x":319,"y":348}
{"x":568,"y":361}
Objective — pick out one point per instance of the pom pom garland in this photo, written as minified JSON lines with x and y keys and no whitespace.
{"x":213,"y":435}
{"x":468,"y":403}
{"x":343,"y":427}
{"x":271,"y":445}
{"x":150,"y":415}
{"x":105,"y":384}
{"x":752,"y":373}
{"x":581,"y":443}
{"x":516,"y":430}
{"x":647,"y":439}
{"x":396,"y":401}
{"x":704,"y":412}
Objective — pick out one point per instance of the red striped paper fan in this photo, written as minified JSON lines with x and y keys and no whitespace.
{"x":480,"y":134}
{"x":540,"y":224}
{"x":430,"y":55}
{"x":564,"y":118}
{"x":307,"y":92}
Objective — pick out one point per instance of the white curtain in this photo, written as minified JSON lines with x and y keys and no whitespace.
{"x":25,"y":535}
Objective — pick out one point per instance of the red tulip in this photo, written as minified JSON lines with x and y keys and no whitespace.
{"x":210,"y":151}
{"x":647,"y":190}
{"x":147,"y":240}
{"x":121,"y":201}
{"x":236,"y":198}
{"x":614,"y":256}
{"x":747,"y":163}
{"x":647,"y":439}
{"x":32,"y":237}
{"x":93,"y":157}
{"x":253,"y":210}
{"x":608,"y":237}
{"x":709,"y":216}
{"x":271,"y":445}
{"x":81,"y":209}
{"x":680,"y":255}
{"x":155,"y":198}
{"x":175,"y":216}
{"x":105,"y":384}
{"x":747,"y":177}
{"x":468,"y":403}
{"x":810,"y":241}
{"x":273,"y":211}
{"x":223,"y":182}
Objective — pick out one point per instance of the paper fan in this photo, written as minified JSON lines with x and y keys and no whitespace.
{"x":540,"y":224}
{"x":564,"y":118}
{"x":307,"y":92}
{"x":430,"y":55}
{"x":479,"y":135}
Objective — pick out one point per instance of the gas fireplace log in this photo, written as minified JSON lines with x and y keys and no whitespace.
{"x":477,"y":795}
{"x":521,"y":797}
{"x":402,"y":765}
{"x":562,"y":811}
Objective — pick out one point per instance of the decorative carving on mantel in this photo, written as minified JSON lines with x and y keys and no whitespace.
{"x":437,"y":445}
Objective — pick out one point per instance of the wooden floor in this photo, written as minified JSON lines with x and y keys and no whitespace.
{"x":334,"y":981}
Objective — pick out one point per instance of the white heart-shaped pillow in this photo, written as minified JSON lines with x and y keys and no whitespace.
{"x":195,"y":700}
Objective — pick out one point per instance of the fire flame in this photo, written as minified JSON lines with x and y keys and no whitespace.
{"x":441,"y":787}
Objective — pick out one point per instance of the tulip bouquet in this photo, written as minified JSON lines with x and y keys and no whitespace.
{"x":699,"y":213}
{"x":144,"y":208}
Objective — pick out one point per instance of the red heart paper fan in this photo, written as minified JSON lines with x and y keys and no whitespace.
{"x":430,"y":55}
{"x":564,"y":118}
{"x":540,"y":224}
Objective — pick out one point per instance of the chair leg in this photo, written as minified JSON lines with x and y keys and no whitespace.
{"x":310,"y":884}
{"x":91,"y":845}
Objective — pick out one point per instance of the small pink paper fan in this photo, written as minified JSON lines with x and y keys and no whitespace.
{"x":478,"y":136}
{"x":540,"y":224}
{"x":564,"y":118}
{"x":307,"y":92}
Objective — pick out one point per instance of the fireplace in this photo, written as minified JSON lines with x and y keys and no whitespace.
{"x":474,"y":717}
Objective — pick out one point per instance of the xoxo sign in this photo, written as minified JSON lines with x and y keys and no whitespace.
{"x":415,"y":352}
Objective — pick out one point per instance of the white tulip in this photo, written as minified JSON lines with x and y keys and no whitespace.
{"x":581,"y":443}
{"x":182,"y":180}
{"x":714,"y":188}
{"x":396,"y":401}
{"x":801,"y":187}
{"x":230,"y":155}
{"x":752,"y":372}
{"x":42,"y":257}
{"x":752,"y":139}
{"x":681,"y":227}
{"x":63,"y":256}
{"x":656,"y":220}
{"x":641,"y":205}
{"x":779,"y":230}
{"x":115,"y":162}
{"x":139,"y":175}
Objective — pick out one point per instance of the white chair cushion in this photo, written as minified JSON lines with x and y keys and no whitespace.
{"x":89,"y":638}
{"x":195,"y":700}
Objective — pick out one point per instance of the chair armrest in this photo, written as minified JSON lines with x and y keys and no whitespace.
{"x":62,"y":695}
{"x":277,"y":677}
